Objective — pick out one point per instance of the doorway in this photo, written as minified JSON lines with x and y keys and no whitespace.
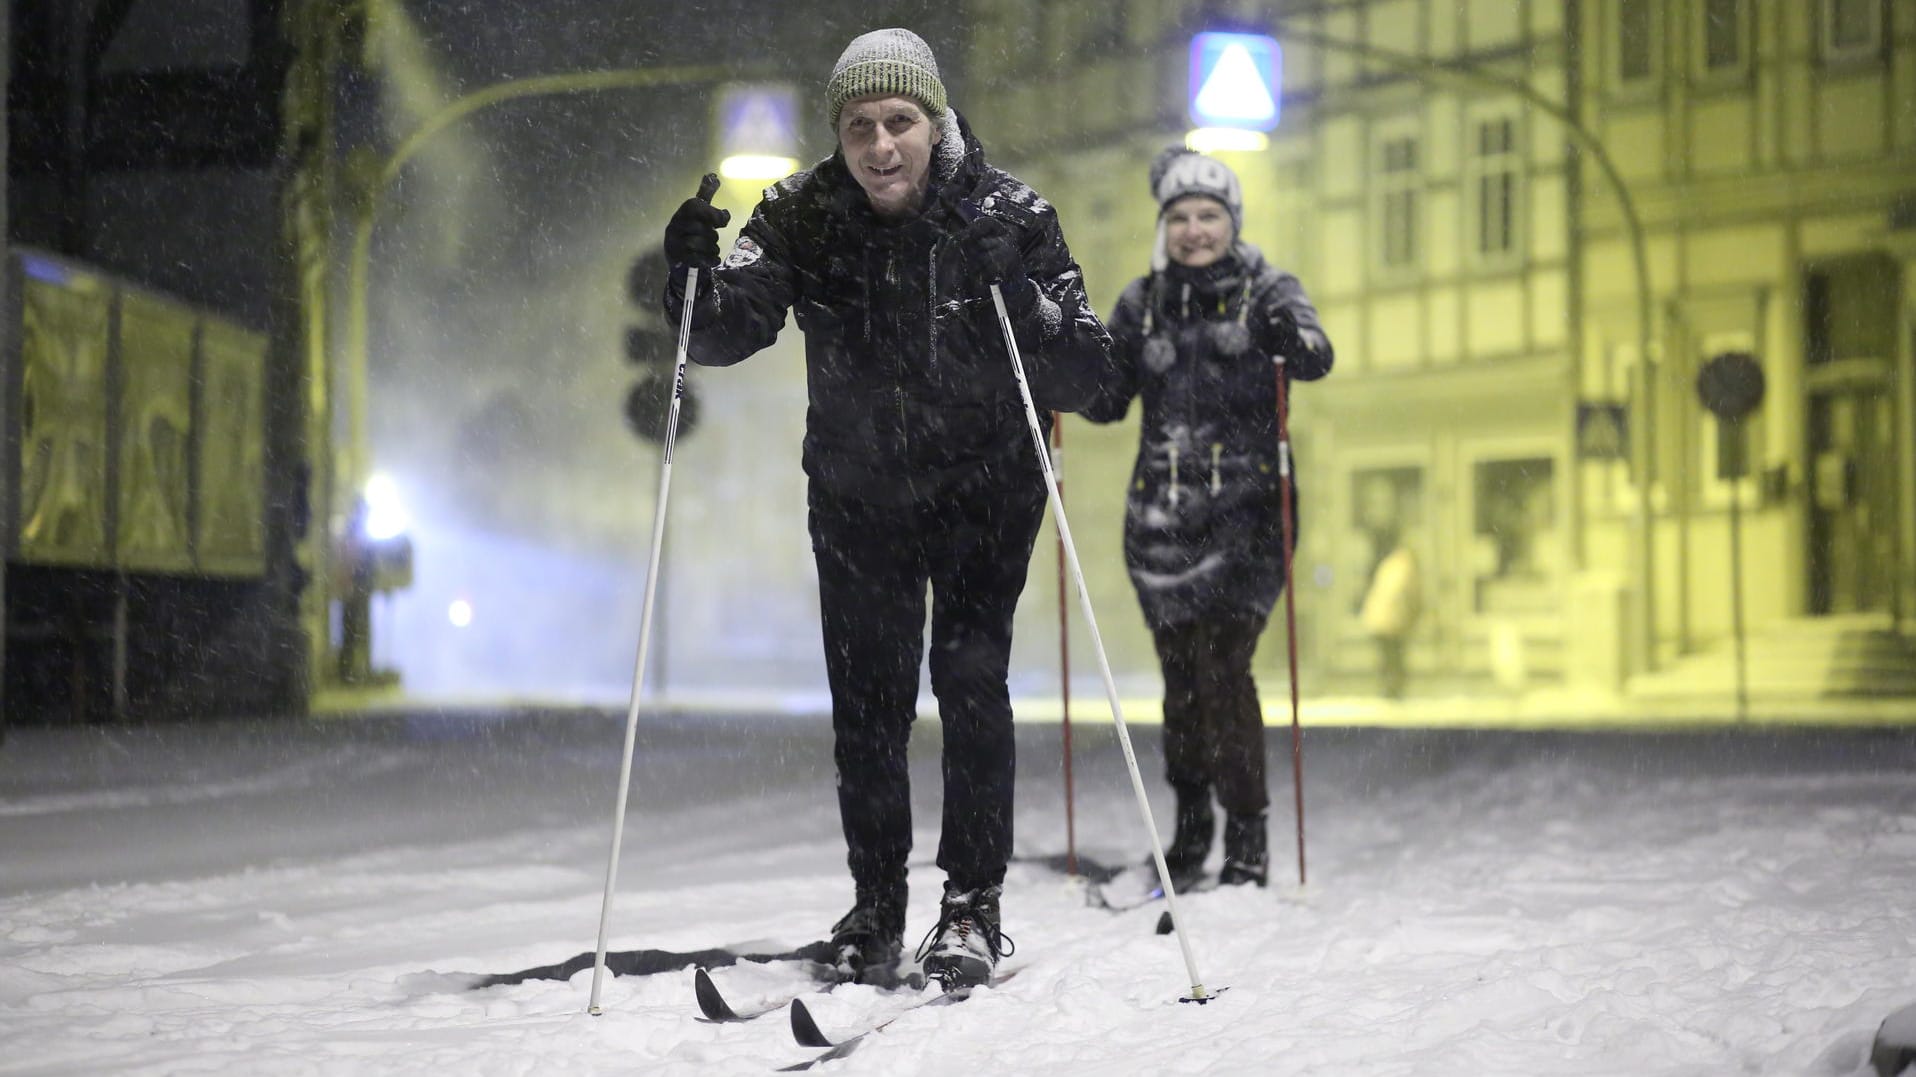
{"x":1850,"y":429}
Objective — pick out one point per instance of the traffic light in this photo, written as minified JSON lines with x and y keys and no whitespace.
{"x":651,"y":345}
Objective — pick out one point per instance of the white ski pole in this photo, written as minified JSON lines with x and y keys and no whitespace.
{"x":707,"y":188}
{"x":1198,"y":994}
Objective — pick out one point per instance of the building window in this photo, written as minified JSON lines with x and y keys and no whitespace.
{"x":1399,"y":191}
{"x":1723,"y":36}
{"x":1636,"y":42}
{"x":1296,"y":220}
{"x":1852,"y":29}
{"x":1496,"y":171}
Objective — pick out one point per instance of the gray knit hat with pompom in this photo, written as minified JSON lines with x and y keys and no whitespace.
{"x":890,"y":61}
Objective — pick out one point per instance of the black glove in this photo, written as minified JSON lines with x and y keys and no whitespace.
{"x":1277,"y":333}
{"x":691,"y":237}
{"x":992,"y":257}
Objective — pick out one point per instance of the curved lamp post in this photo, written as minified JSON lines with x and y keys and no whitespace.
{"x":372,"y":188}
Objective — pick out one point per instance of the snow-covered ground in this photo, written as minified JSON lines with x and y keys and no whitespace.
{"x":294,"y":898}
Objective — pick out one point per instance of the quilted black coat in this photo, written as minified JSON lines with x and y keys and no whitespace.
{"x":910,"y":384}
{"x":1202,"y":528}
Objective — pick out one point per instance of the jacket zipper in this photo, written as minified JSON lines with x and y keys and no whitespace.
{"x":898,"y":364}
{"x":931,"y":306}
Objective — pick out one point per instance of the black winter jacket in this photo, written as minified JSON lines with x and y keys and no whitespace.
{"x":1202,"y":527}
{"x":911,"y":387}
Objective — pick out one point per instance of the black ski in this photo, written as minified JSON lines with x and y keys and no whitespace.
{"x":806,"y":1031}
{"x":829,"y":976}
{"x":717,"y":1011}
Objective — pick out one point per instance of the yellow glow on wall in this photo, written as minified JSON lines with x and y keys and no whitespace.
{"x":757,"y":166}
{"x":1226,"y":139}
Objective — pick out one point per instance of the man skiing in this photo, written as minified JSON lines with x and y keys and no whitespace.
{"x":919,"y":458}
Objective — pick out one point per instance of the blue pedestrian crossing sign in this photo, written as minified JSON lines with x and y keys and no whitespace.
{"x":1235,"y":80}
{"x":758,"y":119}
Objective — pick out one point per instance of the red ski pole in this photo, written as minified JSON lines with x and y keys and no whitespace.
{"x":1064,"y":658}
{"x":1287,"y":500}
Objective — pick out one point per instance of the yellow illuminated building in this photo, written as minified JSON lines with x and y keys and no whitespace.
{"x":1484,"y":197}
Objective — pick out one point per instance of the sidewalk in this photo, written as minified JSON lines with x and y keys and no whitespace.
{"x":1538,"y":709}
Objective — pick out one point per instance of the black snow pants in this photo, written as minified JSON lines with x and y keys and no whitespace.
{"x":1213,"y":723}
{"x":972,"y":546}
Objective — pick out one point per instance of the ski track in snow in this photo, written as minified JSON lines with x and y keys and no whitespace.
{"x":1514,"y":904}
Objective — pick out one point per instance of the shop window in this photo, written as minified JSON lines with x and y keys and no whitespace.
{"x":1514,"y":548}
{"x":1387,"y":507}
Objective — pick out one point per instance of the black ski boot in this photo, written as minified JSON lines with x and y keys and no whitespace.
{"x":1247,"y":857}
{"x":1185,"y":854}
{"x":1191,"y":844}
{"x":869,"y":939}
{"x":963,"y":948}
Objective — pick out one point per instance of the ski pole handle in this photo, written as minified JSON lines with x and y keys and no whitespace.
{"x":708,"y":186}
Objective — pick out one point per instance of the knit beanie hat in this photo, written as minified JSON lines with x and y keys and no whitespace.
{"x":891,"y":61}
{"x":1179,"y":172}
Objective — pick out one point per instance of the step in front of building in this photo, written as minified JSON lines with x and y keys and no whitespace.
{"x":1799,"y":659}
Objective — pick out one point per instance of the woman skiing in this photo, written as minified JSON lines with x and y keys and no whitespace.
{"x":1201,"y":340}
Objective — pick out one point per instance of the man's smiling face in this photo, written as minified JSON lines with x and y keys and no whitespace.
{"x":887,"y":143}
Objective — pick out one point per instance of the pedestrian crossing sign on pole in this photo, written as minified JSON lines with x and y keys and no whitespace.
{"x":1603,"y":430}
{"x":1235,"y":81}
{"x":758,"y":130}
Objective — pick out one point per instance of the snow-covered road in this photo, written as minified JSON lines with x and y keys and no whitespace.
{"x":292,"y":898}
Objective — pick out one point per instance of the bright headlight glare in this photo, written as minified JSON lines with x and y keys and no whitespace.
{"x":385,"y":512}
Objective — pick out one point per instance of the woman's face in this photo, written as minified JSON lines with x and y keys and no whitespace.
{"x":1197,"y":231}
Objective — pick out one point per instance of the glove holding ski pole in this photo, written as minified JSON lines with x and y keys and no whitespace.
{"x":992,"y":257}
{"x":1276,"y":334}
{"x":692,"y":235}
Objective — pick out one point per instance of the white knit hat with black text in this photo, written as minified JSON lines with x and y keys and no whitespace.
{"x":1178,"y":173}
